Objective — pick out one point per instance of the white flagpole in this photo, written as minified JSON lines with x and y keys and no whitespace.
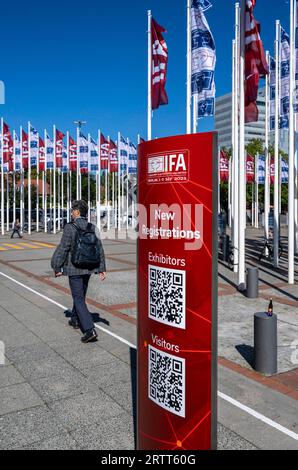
{"x":45,"y":183}
{"x":267,"y":156}
{"x":127,"y":175}
{"x":149,"y":103}
{"x":242,"y":175}
{"x":54,"y":181}
{"x":29,"y":179}
{"x":195,"y":113}
{"x":296,"y":188}
{"x":188,"y":70}
{"x":78,"y":165}
{"x":108,"y":189}
{"x":230,"y":194}
{"x":252,"y":204}
{"x":257,"y":191}
{"x":106,"y":184}
{"x":88,"y":177}
{"x":14,"y":178}
{"x":291,"y":198}
{"x":68,"y":179}
{"x":62,"y":193}
{"x":7,"y":199}
{"x":22,"y":182}
{"x":119,"y":171}
{"x":37,"y":187}
{"x":58,"y":197}
{"x":276,"y":147}
{"x":113,"y":197}
{"x":98,"y":201}
{"x":2,"y":180}
{"x":235,"y":240}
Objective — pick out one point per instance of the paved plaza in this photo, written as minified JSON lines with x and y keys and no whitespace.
{"x":59,"y":394}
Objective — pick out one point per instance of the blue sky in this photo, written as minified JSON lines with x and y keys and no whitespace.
{"x":65,"y":60}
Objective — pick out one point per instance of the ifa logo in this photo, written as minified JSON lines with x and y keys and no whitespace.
{"x":170,"y":167}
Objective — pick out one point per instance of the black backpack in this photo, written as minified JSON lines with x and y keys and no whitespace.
{"x":86,"y":251}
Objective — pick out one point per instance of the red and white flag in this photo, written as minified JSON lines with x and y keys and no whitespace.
{"x":250,"y":169}
{"x":25,"y":150}
{"x":255,"y":62}
{"x":7,"y":144}
{"x":41,"y":155}
{"x":59,"y":148}
{"x":104,"y":152}
{"x":159,"y":65}
{"x":113,"y":157}
{"x":73,"y":154}
{"x":224,"y":167}
{"x":272,"y":171}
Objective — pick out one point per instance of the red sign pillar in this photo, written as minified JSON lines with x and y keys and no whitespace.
{"x":177,"y":293}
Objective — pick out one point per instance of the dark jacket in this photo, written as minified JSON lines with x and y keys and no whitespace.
{"x":61,"y":259}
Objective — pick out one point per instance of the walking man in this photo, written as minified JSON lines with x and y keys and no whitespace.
{"x":80,"y":254}
{"x":16,"y":229}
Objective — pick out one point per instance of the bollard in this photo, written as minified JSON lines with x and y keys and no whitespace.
{"x":265,"y":343}
{"x":225,"y":247}
{"x":252,"y":283}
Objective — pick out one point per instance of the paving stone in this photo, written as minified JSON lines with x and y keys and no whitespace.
{"x":24,"y":427}
{"x":229,"y":440}
{"x":18,"y":397}
{"x":60,"y":442}
{"x":83,"y":410}
{"x":10,"y":376}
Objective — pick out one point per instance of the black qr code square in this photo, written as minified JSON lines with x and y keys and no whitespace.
{"x":166,"y":385}
{"x":166,"y":295}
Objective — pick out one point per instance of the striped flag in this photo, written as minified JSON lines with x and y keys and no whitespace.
{"x":73,"y":156}
{"x":255,"y":62}
{"x":160,"y":65}
{"x":104,"y":152}
{"x":203,"y":59}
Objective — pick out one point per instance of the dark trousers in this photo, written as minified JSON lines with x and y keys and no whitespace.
{"x":78,"y":286}
{"x":15,"y":231}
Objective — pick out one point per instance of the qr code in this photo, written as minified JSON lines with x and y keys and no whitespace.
{"x":167,"y":296}
{"x":166,"y":385}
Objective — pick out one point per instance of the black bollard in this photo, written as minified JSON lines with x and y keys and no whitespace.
{"x":265,"y":343}
{"x":252,"y":283}
{"x":225,"y":247}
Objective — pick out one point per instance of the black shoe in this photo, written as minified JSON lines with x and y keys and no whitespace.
{"x":89,"y":336}
{"x":74,"y":323}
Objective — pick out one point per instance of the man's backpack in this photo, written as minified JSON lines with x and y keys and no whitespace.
{"x":86,"y":251}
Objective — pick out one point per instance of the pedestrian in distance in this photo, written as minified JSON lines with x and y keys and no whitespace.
{"x":16,"y":229}
{"x":79,"y":255}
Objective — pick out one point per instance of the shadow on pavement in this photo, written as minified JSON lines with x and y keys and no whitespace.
{"x":247,"y":352}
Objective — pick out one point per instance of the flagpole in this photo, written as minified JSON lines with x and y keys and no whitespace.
{"x":235,"y":232}
{"x":291,"y":187}
{"x":7,"y":199}
{"x":106,"y":183}
{"x":119,"y":197}
{"x":229,"y":194}
{"x":14,"y":178}
{"x":267,"y":156}
{"x":54,"y":181}
{"x":2,"y":180}
{"x":62,"y":195}
{"x":58,"y":197}
{"x":257,"y":191}
{"x":29,"y":179}
{"x":113,"y":196}
{"x":127,"y":174}
{"x":108,"y":188}
{"x":22,"y":183}
{"x":195,"y":113}
{"x":88,"y":178}
{"x":68,"y":177}
{"x":45,"y":182}
{"x":188,"y":70}
{"x":242,"y":176}
{"x":276,"y":146}
{"x":98,"y":201}
{"x":37,"y":186}
{"x":149,"y":104}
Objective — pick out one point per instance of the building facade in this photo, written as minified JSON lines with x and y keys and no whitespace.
{"x":255,"y":130}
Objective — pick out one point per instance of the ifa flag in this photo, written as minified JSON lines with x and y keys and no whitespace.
{"x":7,"y":144}
{"x":159,"y":65}
{"x":224,"y":167}
{"x":73,"y":156}
{"x":123,"y":147}
{"x":49,"y":153}
{"x":25,"y":150}
{"x":83,"y":145}
{"x":113,"y":157}
{"x":93,"y":160}
{"x":64,"y":167}
{"x":250,"y":169}
{"x":255,"y":63}
{"x":104,"y":152}
{"x":33,"y":137}
{"x":132,"y":159}
{"x":272,"y":171}
{"x":59,"y":149}
{"x":17,"y":153}
{"x":42,"y":155}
